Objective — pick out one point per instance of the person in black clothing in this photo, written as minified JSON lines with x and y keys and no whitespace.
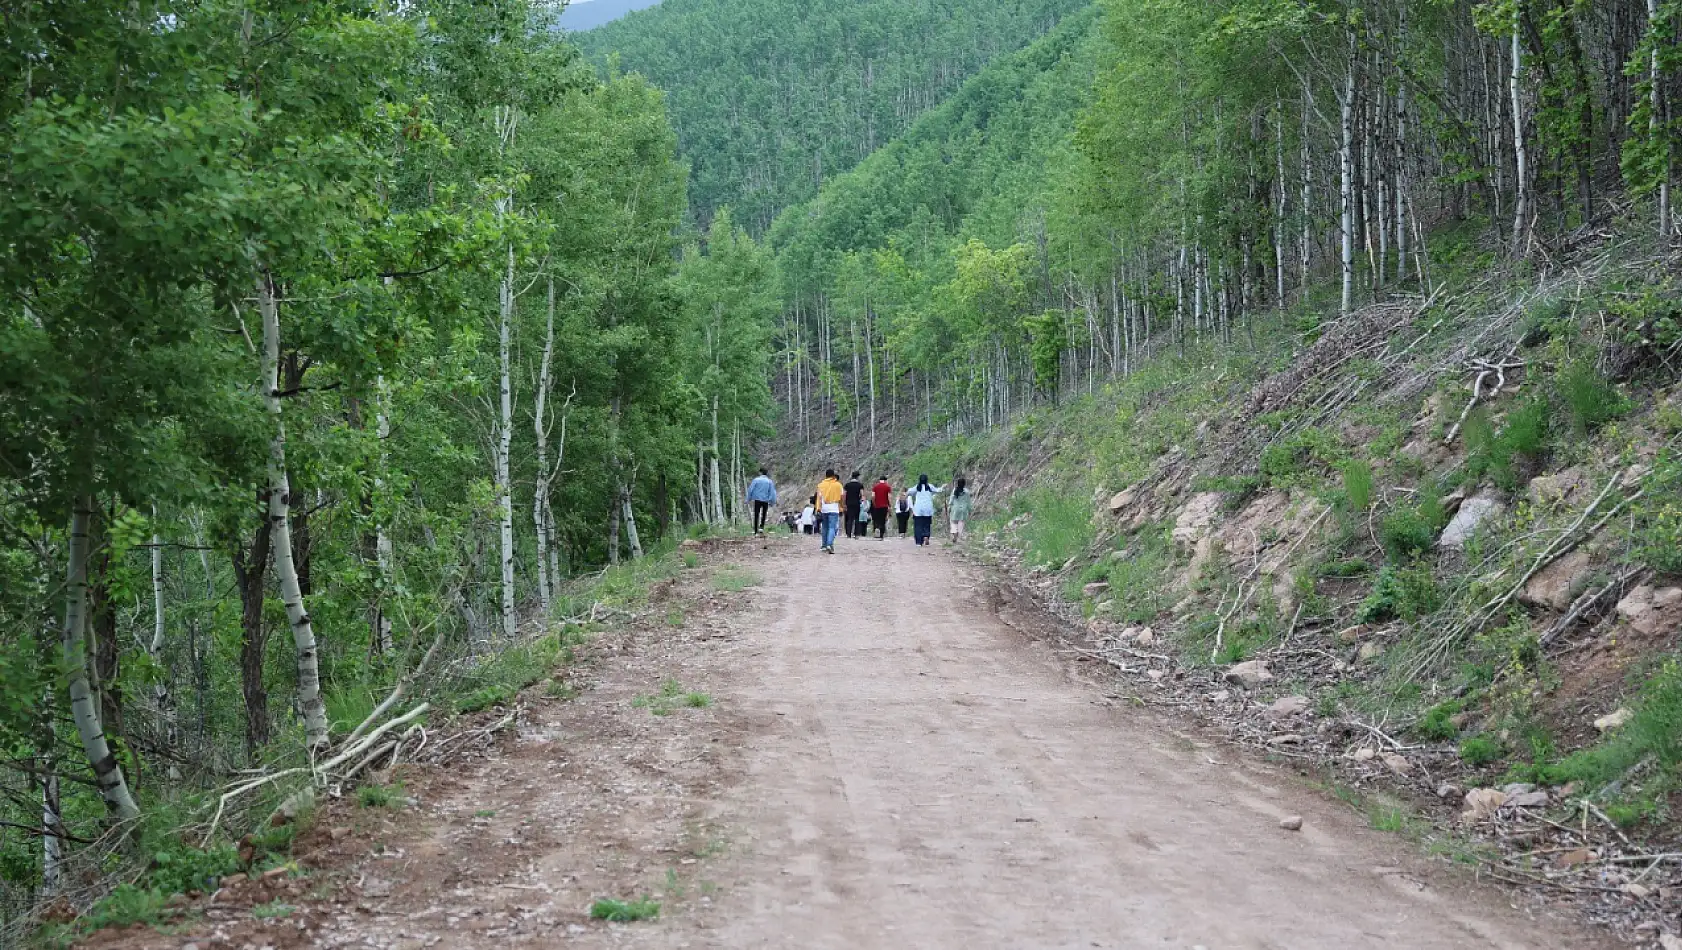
{"x":854,"y":498}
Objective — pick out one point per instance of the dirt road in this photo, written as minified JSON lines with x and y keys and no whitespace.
{"x":883,"y":763}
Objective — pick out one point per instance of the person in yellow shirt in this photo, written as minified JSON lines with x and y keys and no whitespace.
{"x":829,"y":508}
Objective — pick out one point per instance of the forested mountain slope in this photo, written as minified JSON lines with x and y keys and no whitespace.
{"x":771,"y":98}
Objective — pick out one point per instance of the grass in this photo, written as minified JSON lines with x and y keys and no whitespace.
{"x":1059,"y":524}
{"x":273,"y":910}
{"x":671,"y":697}
{"x":380,"y":796}
{"x":618,"y":911}
{"x":1480,"y":750}
{"x":735,"y":579}
{"x":1138,"y":581}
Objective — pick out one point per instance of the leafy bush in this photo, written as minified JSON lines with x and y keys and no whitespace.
{"x":1405,"y":593}
{"x":1657,"y":532}
{"x":126,"y":906}
{"x":1411,"y":530}
{"x":1438,"y":722}
{"x":181,"y":869}
{"x":1309,"y":454}
{"x":1348,"y":567}
{"x":619,"y":911}
{"x":1589,"y":399}
{"x":1480,"y":750}
{"x":1508,"y":456}
{"x":379,"y":796}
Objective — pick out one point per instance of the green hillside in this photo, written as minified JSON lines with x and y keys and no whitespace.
{"x":771,"y":98}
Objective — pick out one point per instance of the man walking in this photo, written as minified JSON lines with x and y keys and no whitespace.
{"x":855,"y":501}
{"x":828,"y":501}
{"x":881,"y":495}
{"x":762,"y":491}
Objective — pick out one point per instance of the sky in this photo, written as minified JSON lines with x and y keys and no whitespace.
{"x":585,"y":14}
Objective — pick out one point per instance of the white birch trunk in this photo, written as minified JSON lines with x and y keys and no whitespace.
{"x":52,"y":846}
{"x":1346,"y":186}
{"x":629,"y":515}
{"x":540,"y":426}
{"x":717,"y":499}
{"x":870,"y":358}
{"x":160,"y":689}
{"x":504,"y":449}
{"x":84,"y":709}
{"x":384,"y":554}
{"x":507,"y":119}
{"x":1655,"y":119}
{"x":1521,"y":155}
{"x":310,"y":702}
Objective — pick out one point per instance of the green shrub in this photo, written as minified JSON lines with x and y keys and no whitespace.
{"x":1357,"y":484}
{"x":1653,"y":732}
{"x":1438,"y":722}
{"x":1506,"y":457}
{"x":1405,"y":593}
{"x":126,"y":906}
{"x":619,"y":911}
{"x":1657,"y":530}
{"x":181,"y":869}
{"x":1411,"y":530}
{"x":379,"y":796}
{"x":1589,"y":399}
{"x":1348,"y":567}
{"x":1138,"y":584}
{"x":1300,"y":458}
{"x":1480,"y":750}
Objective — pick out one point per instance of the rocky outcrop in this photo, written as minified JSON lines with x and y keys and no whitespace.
{"x":1651,"y":610}
{"x":1193,"y":523}
{"x":1557,"y":585}
{"x":1472,"y":514}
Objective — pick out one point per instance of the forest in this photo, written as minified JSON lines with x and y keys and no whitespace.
{"x":773,"y":98}
{"x":340,"y":342}
{"x":337,"y":340}
{"x":1158,"y":172}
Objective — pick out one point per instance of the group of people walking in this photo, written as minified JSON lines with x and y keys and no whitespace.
{"x":857,"y":510}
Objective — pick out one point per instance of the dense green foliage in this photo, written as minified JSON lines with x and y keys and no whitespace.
{"x":369,"y":323}
{"x":772,"y":98}
{"x":1160,"y":172}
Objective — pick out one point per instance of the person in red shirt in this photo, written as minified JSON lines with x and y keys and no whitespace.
{"x":881,"y":499}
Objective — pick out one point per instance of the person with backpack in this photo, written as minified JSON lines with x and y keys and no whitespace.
{"x":881,"y":494}
{"x":922,"y":509}
{"x":829,"y":498}
{"x":902,"y":512}
{"x":855,"y":502}
{"x":762,"y":493}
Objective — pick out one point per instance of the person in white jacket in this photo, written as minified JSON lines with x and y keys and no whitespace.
{"x":922,"y":509}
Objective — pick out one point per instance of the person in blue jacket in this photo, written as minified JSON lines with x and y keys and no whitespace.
{"x":762,"y":492}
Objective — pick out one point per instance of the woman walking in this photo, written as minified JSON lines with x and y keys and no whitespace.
{"x":959,"y":508}
{"x":922,"y":509}
{"x":902,"y":512}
